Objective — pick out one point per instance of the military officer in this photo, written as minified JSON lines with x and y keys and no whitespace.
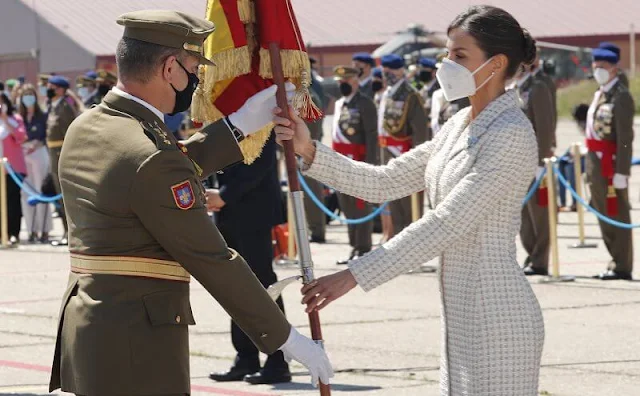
{"x":364,"y":63}
{"x":624,"y":80}
{"x":537,"y":104}
{"x":106,"y":80}
{"x":377,"y":85}
{"x":427,"y":75}
{"x":609,"y":136}
{"x":538,"y":72}
{"x":402,"y":125}
{"x":60,"y":115}
{"x":139,"y":227}
{"x":88,"y":88}
{"x":355,"y":135}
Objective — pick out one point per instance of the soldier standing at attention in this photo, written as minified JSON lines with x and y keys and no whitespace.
{"x":139,"y":228}
{"x":355,"y":135}
{"x":624,"y":80}
{"x":427,"y":75}
{"x":537,"y":104}
{"x":60,"y":115}
{"x":88,"y":89}
{"x":609,"y":136}
{"x":402,"y":125}
{"x":364,"y":63}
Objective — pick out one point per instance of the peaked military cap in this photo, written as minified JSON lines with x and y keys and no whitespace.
{"x":341,"y":72}
{"x":59,"y":81}
{"x":106,"y":77}
{"x":392,"y":61}
{"x":364,"y":57}
{"x":172,"y":29}
{"x":604,"y":55}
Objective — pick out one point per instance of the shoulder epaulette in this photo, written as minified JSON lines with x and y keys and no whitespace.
{"x":155,"y":132}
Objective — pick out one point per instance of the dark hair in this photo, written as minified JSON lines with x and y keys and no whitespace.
{"x":7,"y":102}
{"x":37,"y":111}
{"x":1,"y":86}
{"x":138,"y":60}
{"x":497,"y":32}
{"x":579,"y":112}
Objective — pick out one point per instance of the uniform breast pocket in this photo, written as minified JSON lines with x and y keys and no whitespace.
{"x":168,"y":308}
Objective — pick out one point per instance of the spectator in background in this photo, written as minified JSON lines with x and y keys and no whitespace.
{"x":11,"y":89}
{"x":249,"y":203}
{"x":12,"y":135}
{"x":38,"y":217}
{"x":174,"y":123}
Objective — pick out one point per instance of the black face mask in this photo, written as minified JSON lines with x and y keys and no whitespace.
{"x":103,"y":90}
{"x":361,"y":72}
{"x":51,"y":93}
{"x":345,"y":89}
{"x":184,"y":97}
{"x":376,"y":85}
{"x":425,"y":76}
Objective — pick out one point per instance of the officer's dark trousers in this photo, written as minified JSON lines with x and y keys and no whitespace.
{"x":315,"y":217}
{"x":618,"y":241}
{"x":534,"y":233}
{"x":359,"y":234}
{"x":256,"y":247}
{"x":54,"y":157}
{"x":14,"y":208}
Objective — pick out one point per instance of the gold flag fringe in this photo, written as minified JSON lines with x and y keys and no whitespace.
{"x":200,"y":108}
{"x":228,"y":64}
{"x":247,"y":11}
{"x":251,"y":146}
{"x":294,"y":62}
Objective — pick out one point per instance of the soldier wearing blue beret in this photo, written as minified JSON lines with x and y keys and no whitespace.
{"x":624,"y":80}
{"x":363,"y":61}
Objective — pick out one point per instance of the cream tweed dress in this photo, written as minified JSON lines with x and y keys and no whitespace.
{"x":475,"y":176}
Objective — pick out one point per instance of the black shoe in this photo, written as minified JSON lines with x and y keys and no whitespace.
{"x":267,"y":377}
{"x":529,"y":270}
{"x":44,"y":238}
{"x":32,"y":237}
{"x":613,"y":275}
{"x":234,"y":374}
{"x":60,"y":242}
{"x":353,"y":254}
{"x":317,"y":239}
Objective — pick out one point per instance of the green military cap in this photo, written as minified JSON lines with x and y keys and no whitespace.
{"x":106,"y":77}
{"x":341,"y":72}
{"x":43,"y":79}
{"x":168,"y":28}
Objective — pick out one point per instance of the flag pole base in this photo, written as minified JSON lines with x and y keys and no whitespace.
{"x":583,"y":246}
{"x":558,"y":279}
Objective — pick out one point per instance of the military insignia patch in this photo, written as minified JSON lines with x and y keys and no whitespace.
{"x":183,"y":195}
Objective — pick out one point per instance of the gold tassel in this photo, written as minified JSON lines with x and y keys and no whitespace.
{"x":247,"y":11}
{"x":303,"y":102}
{"x":229,"y":63}
{"x":200,"y":106}
{"x":251,"y":146}
{"x":294,"y":62}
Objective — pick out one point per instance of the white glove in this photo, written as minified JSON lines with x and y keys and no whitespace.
{"x":620,"y":182}
{"x":539,"y":172}
{"x":257,"y":111}
{"x":310,"y":354}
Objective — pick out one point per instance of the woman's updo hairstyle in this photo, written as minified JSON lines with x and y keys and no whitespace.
{"x":497,"y":32}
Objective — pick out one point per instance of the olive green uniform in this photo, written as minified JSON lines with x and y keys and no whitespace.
{"x":537,"y":103}
{"x":356,"y":136}
{"x":59,"y":118}
{"x":610,"y":119}
{"x":402,"y":119}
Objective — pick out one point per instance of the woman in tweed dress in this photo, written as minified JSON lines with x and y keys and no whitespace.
{"x":475,"y":174}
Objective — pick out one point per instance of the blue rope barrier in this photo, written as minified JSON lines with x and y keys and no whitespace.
{"x":29,"y":189}
{"x":582,"y":202}
{"x":329,"y":213}
{"x":534,"y":188}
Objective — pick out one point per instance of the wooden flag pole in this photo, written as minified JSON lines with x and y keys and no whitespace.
{"x":296,"y":198}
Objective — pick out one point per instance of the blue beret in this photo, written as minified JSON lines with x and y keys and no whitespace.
{"x":600,"y":54}
{"x":393,"y":61}
{"x":377,"y":72}
{"x":364,"y":57}
{"x":59,"y":81}
{"x":91,"y":75}
{"x":429,"y":63}
{"x":610,"y":46}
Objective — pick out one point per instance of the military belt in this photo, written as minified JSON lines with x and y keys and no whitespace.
{"x":129,"y":266}
{"x":54,"y":143}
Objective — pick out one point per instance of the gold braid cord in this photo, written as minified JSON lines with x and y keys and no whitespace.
{"x":405,"y":113}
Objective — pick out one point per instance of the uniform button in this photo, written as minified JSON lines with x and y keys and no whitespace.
{"x":263,"y":335}
{"x":178,"y":319}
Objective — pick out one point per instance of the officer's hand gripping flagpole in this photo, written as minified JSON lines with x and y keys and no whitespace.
{"x":296,"y":198}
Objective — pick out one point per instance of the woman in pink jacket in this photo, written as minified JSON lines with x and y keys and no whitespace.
{"x":12,"y":135}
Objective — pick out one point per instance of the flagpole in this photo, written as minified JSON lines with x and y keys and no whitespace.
{"x":296,"y":198}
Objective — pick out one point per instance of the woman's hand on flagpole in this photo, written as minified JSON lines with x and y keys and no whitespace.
{"x":295,"y":130}
{"x":322,"y":291}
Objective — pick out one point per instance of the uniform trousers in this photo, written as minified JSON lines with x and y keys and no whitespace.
{"x":54,"y":157}
{"x":316,"y":219}
{"x":618,"y":241}
{"x":14,"y":209}
{"x":256,"y":247}
{"x":534,"y":233}
{"x":359,"y":234}
{"x":37,"y":218}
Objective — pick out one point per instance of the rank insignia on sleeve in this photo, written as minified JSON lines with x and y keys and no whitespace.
{"x":183,"y":195}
